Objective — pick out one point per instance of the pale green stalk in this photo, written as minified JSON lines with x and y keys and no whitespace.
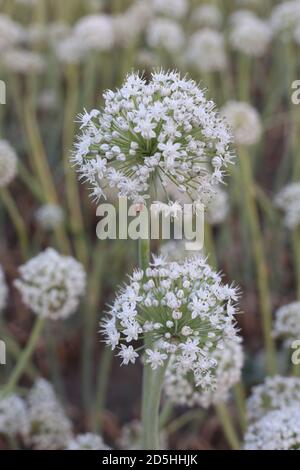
{"x":24,"y":357}
{"x":227,"y":425}
{"x":16,"y":219}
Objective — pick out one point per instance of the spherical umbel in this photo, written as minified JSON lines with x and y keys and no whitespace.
{"x":164,"y":130}
{"x":51,"y":284}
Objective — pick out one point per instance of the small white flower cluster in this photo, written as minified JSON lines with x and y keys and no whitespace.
{"x":251,"y":36}
{"x":87,"y":441}
{"x":288,"y":200}
{"x":8,"y":163}
{"x":90,"y":33}
{"x":13,"y":416}
{"x":217,"y":208}
{"x":11,"y":33}
{"x":287,"y":322}
{"x":23,"y":61}
{"x":245,"y":122}
{"x":51,"y":284}
{"x":48,"y":426}
{"x":165,"y":34}
{"x":285,"y":18}
{"x":207,"y":15}
{"x":3,"y":290}
{"x":174,"y":8}
{"x":95,"y":32}
{"x":185,"y":310}
{"x":162,"y":130}
{"x":49,"y":216}
{"x":206,"y":51}
{"x":277,"y":430}
{"x":180,"y":387}
{"x":275,"y":393}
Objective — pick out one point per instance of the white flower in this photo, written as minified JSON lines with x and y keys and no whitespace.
{"x":245,"y":122}
{"x":155,"y":358}
{"x":218,"y":207}
{"x":285,"y":18}
{"x":251,"y":36}
{"x":180,"y":386}
{"x":275,"y":393}
{"x":51,"y":284}
{"x":288,"y":200}
{"x":174,"y":8}
{"x":183,"y":308}
{"x":8,"y":163}
{"x":287,"y":322}
{"x":3,"y":290}
{"x":13,"y":416}
{"x":95,"y":32}
{"x":23,"y":61}
{"x":49,"y":427}
{"x":70,"y":50}
{"x":206,"y":51}
{"x":128,"y":354}
{"x":166,"y":34}
{"x":11,"y":33}
{"x":49,"y":216}
{"x":207,"y":15}
{"x":277,"y":430}
{"x":87,"y":441}
{"x":132,"y":135}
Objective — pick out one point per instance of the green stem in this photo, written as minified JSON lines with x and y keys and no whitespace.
{"x":259,"y":256}
{"x":24,"y":357}
{"x":239,"y":394}
{"x":183,"y":420}
{"x":227,"y":425}
{"x":16,"y":219}
{"x":105,"y":363}
{"x":150,"y":419}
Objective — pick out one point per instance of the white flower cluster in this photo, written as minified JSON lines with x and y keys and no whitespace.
{"x":217,"y":208}
{"x":285,"y":18}
{"x":3,"y":290}
{"x":166,"y":34}
{"x":23,"y":61}
{"x":287,"y":322}
{"x":13,"y":416}
{"x":162,"y":130}
{"x":174,"y":8}
{"x":11,"y":33}
{"x":95,"y":32}
{"x":245,"y":122}
{"x":48,"y":426}
{"x":175,"y":250}
{"x":90,"y":33}
{"x":49,"y":216}
{"x":251,"y":36}
{"x":206,"y":51}
{"x":275,"y":393}
{"x":51,"y":284}
{"x":180,"y":387}
{"x":185,"y":310}
{"x":87,"y":441}
{"x":207,"y":15}
{"x":8,"y":163}
{"x":288,"y":200}
{"x":277,"y":430}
